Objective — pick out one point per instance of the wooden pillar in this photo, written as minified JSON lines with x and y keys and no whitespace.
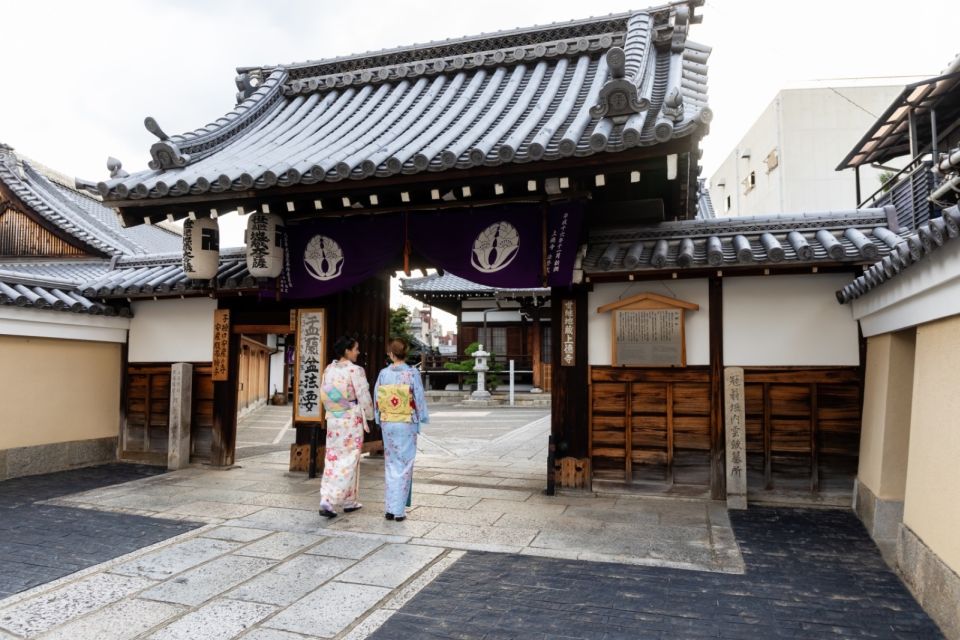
{"x":536,"y":357}
{"x":717,"y":449}
{"x":225,"y":410}
{"x":569,"y":426}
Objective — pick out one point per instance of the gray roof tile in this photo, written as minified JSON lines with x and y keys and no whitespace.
{"x":906,"y":251}
{"x":855,"y":237}
{"x":587,"y":87}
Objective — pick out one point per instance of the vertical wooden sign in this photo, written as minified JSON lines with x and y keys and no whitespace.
{"x":311,"y":336}
{"x":568,"y":333}
{"x":735,"y":427}
{"x":221,"y":345}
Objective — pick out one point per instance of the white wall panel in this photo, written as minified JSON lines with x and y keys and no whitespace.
{"x":788,"y":321}
{"x":172,"y":330}
{"x":697,"y":324}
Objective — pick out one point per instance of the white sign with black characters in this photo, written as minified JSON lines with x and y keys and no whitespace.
{"x":649,"y":337}
{"x":311,"y":335}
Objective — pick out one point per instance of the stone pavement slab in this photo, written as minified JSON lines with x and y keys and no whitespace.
{"x":44,"y":612}
{"x":346,"y":547}
{"x":391,"y":566}
{"x":328,"y":610}
{"x":198,"y":585}
{"x":290,"y":581}
{"x":280,"y":545}
{"x":163,"y":563}
{"x":124,"y":620}
{"x":218,"y":620}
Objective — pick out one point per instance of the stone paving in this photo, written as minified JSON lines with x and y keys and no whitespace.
{"x":809,"y":574}
{"x":266,"y":567}
{"x":42,"y":542}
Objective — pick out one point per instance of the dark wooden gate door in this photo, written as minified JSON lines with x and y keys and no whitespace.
{"x":651,"y":427}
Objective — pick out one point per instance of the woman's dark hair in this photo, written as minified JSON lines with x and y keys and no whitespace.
{"x":341,"y":345}
{"x":398,"y":347}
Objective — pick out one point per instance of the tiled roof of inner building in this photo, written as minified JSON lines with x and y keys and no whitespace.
{"x":911,"y":249}
{"x":38,"y":293}
{"x":77,"y":214}
{"x":163,"y":275}
{"x":449,"y":283}
{"x":854,"y":237}
{"x":543,"y":93}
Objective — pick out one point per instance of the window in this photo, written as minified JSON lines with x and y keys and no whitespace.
{"x":546,"y":344}
{"x":772,"y":161}
{"x":727,"y":207}
{"x":493,"y":339}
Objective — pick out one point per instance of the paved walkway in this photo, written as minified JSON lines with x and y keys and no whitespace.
{"x":42,"y":542}
{"x":266,"y":429}
{"x":267,"y":567}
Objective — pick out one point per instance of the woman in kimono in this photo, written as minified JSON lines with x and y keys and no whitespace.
{"x":345,"y":394}
{"x":401,"y":409}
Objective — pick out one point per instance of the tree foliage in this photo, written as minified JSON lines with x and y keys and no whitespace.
{"x":492,"y":379}
{"x":400,"y":324}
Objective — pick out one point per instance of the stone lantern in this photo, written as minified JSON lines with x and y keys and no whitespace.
{"x":480,"y":356}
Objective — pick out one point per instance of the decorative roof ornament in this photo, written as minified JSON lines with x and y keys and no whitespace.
{"x":154,"y":128}
{"x":619,"y":97}
{"x":10,"y":160}
{"x":115,"y":167}
{"x":673,"y":105}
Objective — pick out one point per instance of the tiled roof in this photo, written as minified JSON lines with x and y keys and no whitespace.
{"x":449,"y":283}
{"x":76,"y":214}
{"x":908,"y":251}
{"x":855,"y":237}
{"x":36,"y":294}
{"x":543,"y":93}
{"x":163,"y":275}
{"x":64,"y":271}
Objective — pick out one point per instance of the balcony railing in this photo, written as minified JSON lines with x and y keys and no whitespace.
{"x":909,"y":191}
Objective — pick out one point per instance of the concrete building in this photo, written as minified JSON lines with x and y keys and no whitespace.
{"x":785,"y":162}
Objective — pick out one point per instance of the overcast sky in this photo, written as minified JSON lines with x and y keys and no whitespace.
{"x":81,"y":76}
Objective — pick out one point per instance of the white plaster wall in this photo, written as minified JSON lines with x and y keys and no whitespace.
{"x":172,"y":330}
{"x":276,"y":371}
{"x":819,"y":127}
{"x":764,"y":198}
{"x":923,"y":293}
{"x":812,"y":130}
{"x":788,"y":321}
{"x":492,"y":316}
{"x":46,"y":323}
{"x":697,"y":323}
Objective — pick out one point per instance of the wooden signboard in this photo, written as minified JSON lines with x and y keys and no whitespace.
{"x":221,"y":345}
{"x":568,"y":333}
{"x":647,"y":330}
{"x":308,"y":369}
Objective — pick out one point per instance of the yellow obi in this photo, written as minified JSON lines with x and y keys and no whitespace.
{"x":395,"y":403}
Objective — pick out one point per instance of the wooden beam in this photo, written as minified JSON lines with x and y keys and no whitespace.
{"x":718,"y":478}
{"x":225,"y":410}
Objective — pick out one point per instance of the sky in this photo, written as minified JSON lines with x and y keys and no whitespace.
{"x":82,"y":76}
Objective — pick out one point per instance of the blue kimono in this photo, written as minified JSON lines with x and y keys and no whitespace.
{"x":400,"y":438}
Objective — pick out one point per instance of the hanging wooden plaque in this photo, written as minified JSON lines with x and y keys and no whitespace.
{"x":647,"y":330}
{"x":568,"y":333}
{"x":311,"y":337}
{"x":221,"y":345}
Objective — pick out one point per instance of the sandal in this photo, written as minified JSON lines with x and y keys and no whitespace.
{"x":355,"y":507}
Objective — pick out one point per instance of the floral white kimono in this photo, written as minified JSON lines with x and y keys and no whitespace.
{"x":346,"y":418}
{"x":400,"y":438}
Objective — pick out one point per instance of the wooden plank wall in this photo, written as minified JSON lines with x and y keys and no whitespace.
{"x":145,"y":429}
{"x":22,"y":237}
{"x":803,"y":428}
{"x":651,"y":425}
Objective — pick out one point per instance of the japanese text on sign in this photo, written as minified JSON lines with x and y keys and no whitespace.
{"x":568,"y":334}
{"x":735,"y":435}
{"x":310,"y":337}
{"x":221,"y":345}
{"x":649,"y":337}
